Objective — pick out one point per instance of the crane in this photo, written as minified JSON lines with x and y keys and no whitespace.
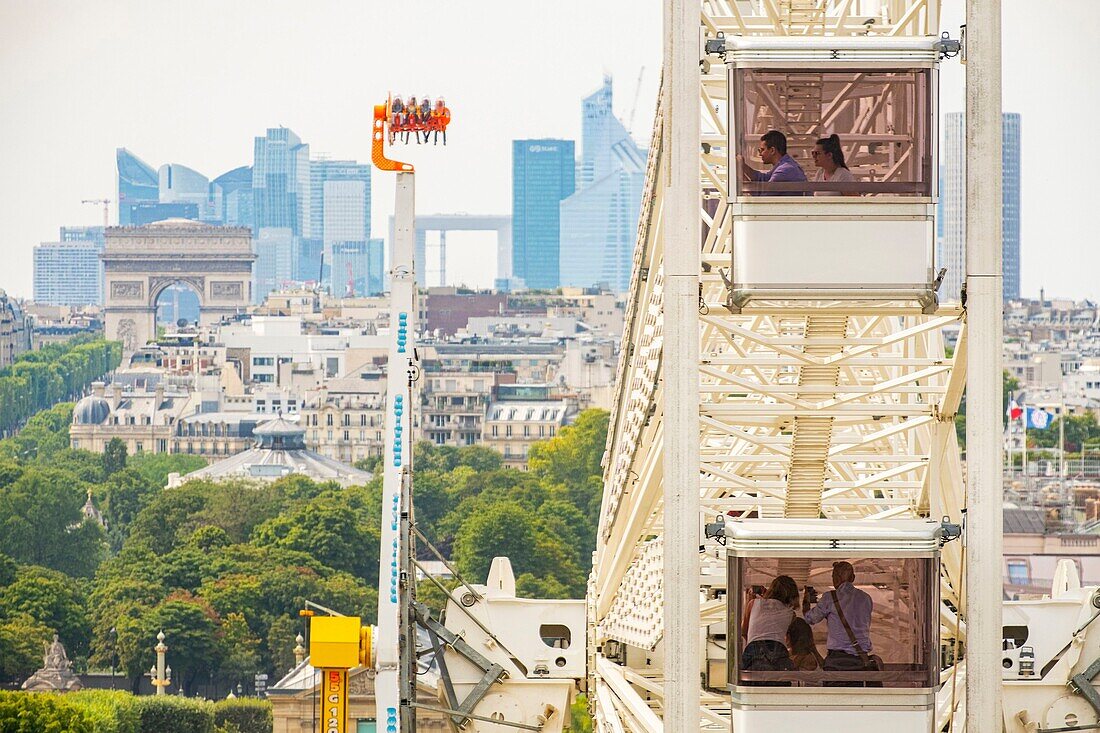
{"x":634,"y":106}
{"x":105,"y":203}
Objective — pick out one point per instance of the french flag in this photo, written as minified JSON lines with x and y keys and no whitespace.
{"x":1014,"y":411}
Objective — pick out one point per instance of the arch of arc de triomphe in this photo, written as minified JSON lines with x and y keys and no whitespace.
{"x":140,"y":262}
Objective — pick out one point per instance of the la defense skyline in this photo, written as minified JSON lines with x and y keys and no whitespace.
{"x":574,"y":221}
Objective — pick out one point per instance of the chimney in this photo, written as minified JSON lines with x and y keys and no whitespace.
{"x":158,"y":397}
{"x":98,"y":388}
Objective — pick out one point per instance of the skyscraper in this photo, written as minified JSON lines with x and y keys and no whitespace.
{"x":953,"y":205}
{"x":281,"y":182}
{"x":276,"y":251}
{"x":232,"y":196}
{"x":68,"y":273}
{"x":543,"y":173}
{"x":340,"y":214}
{"x":180,"y":184}
{"x":138,"y":184}
{"x":599,"y":222}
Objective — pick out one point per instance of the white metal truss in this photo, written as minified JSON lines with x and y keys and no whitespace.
{"x":839,"y":408}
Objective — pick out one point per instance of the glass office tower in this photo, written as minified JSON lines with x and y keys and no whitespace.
{"x":543,"y":173}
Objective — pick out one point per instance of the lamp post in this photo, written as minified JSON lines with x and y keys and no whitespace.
{"x":161,"y":673}
{"x":299,"y":650}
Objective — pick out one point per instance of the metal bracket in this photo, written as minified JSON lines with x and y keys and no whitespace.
{"x":1082,"y":685}
{"x":493,"y":672}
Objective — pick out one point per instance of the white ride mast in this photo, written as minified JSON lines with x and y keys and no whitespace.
{"x":395,"y":682}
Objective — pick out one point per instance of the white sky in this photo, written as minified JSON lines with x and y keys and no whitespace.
{"x":193,"y":82}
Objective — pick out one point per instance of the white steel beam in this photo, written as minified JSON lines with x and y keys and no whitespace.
{"x":983,"y":426}
{"x":682,"y":232}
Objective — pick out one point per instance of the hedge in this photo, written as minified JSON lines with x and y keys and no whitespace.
{"x":246,"y":715}
{"x":171,"y":714}
{"x":40,"y":712}
{"x":110,"y":711}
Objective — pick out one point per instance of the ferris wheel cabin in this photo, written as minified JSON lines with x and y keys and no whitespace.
{"x":894,"y":571}
{"x":868,"y":235}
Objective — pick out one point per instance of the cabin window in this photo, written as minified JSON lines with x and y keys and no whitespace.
{"x":892,"y":607}
{"x":883,"y":117}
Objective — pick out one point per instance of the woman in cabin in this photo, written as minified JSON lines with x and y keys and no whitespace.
{"x":831,"y":167}
{"x":765,"y":625}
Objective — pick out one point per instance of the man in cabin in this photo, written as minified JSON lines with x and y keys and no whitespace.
{"x":785,"y":169}
{"x":847,"y":611}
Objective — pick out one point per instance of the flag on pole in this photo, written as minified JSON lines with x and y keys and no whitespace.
{"x":1014,"y":411}
{"x":1038,"y":419}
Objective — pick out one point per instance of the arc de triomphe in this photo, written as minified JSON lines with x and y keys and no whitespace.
{"x":140,"y":262}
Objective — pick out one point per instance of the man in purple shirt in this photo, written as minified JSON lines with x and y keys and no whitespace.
{"x":855,"y":605}
{"x":785,"y":169}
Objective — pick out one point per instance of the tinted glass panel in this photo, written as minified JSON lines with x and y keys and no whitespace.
{"x":882,"y":117}
{"x":891,"y":608}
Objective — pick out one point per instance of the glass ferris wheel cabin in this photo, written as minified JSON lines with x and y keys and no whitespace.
{"x":890,"y":682}
{"x":870,"y":235}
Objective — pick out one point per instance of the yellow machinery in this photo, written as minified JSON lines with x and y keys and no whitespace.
{"x":337,"y":644}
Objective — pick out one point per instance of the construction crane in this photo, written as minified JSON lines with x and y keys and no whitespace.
{"x":350,"y":293}
{"x":106,"y":204}
{"x":634,"y":106}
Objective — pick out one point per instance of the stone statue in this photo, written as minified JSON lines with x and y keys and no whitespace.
{"x":56,"y":674}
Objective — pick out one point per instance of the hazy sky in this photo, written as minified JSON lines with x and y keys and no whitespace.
{"x":193,"y":82}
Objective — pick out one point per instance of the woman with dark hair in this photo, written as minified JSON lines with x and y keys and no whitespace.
{"x":829,"y":158}
{"x":765,"y":625}
{"x":800,"y":642}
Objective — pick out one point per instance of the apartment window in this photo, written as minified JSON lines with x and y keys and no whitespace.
{"x":263,"y":361}
{"x":1018,"y":572}
{"x":138,"y":447}
{"x":347,"y":435}
{"x":508,"y":431}
{"x":329,"y":436}
{"x":347,"y":419}
{"x":363,"y":420}
{"x":542,"y":431}
{"x":494,"y":431}
{"x":527,"y":431}
{"x":362,"y":436}
{"x":263,"y":377}
{"x":551,"y":431}
{"x":328,"y":420}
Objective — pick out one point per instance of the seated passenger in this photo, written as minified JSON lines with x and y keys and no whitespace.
{"x":765,"y":625}
{"x":785,"y":169}
{"x":847,"y":611}
{"x":397,"y":109}
{"x":829,"y":159}
{"x":800,"y":643}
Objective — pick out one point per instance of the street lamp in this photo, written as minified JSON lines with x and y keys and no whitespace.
{"x":160,"y":673}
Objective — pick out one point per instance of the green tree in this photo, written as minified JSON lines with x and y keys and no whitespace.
{"x":127,"y":494}
{"x":190,"y":626}
{"x":52,"y":599}
{"x":41,"y":523}
{"x":1079,"y":429}
{"x":240,"y":652}
{"x":114,"y":456}
{"x":155,"y":467}
{"x":340,"y":529}
{"x":21,"y":640}
{"x":500,"y":529}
